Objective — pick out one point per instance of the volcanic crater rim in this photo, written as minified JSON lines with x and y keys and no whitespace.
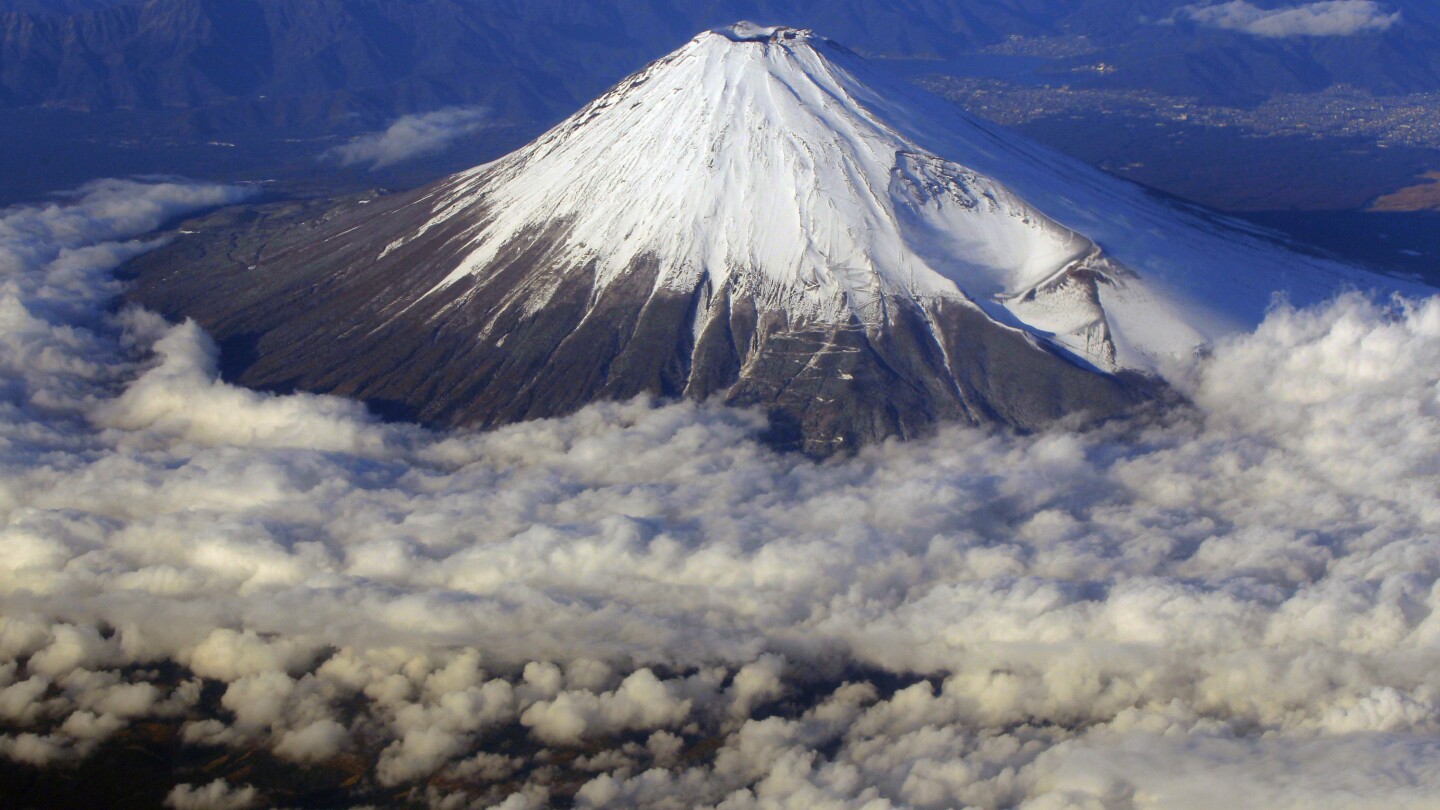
{"x":746,"y":31}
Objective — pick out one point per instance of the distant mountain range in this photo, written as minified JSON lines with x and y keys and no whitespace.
{"x":286,"y":62}
{"x":56,"y":6}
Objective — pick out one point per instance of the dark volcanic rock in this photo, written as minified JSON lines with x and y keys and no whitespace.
{"x":300,"y":298}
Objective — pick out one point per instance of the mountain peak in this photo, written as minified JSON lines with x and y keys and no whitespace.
{"x":746,"y":31}
{"x":782,"y":227}
{"x":770,"y":169}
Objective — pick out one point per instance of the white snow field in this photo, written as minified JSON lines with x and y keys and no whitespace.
{"x":780,"y":159}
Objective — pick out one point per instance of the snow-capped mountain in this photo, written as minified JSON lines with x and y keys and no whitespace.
{"x":750,"y":161}
{"x":761,"y":216}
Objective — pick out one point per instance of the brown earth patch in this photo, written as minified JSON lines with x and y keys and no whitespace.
{"x":1420,"y":197}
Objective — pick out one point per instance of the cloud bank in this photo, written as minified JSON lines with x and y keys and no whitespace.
{"x":639,"y":606}
{"x":1327,"y":18}
{"x":412,"y":136}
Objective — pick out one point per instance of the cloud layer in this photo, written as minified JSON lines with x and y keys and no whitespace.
{"x":1327,"y":18}
{"x":641,"y":606}
{"x":412,"y":136}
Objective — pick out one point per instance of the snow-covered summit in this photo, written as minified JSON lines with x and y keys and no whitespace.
{"x":746,"y":31}
{"x":802,"y":174}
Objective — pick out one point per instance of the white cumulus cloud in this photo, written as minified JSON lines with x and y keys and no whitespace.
{"x":412,"y":136}
{"x":1327,"y":18}
{"x":639,"y":605}
{"x":217,"y":795}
